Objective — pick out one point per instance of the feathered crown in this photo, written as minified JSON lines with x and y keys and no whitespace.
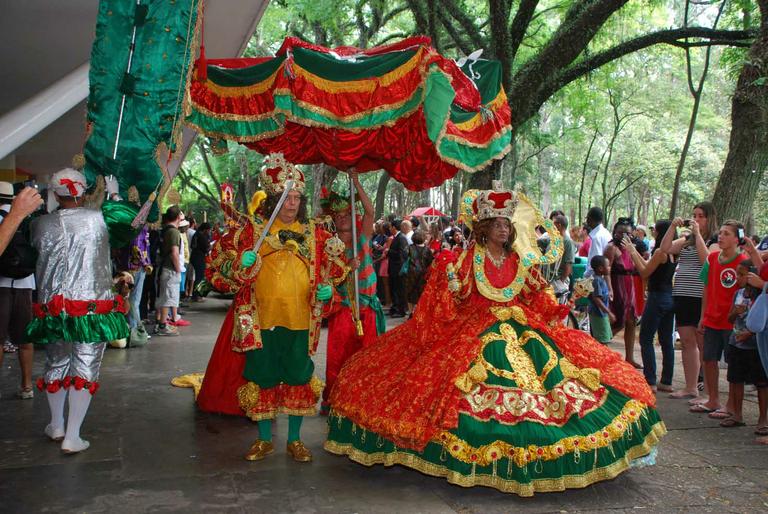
{"x":276,"y":171}
{"x":495,"y":203}
{"x":332,"y":202}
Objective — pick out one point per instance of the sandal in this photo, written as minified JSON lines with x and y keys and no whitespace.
{"x":761,"y":431}
{"x":720,"y":414}
{"x":732,"y":423}
{"x":700,"y":408}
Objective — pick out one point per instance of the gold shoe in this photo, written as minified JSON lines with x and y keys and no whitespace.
{"x":299,"y":452}
{"x":259,"y":450}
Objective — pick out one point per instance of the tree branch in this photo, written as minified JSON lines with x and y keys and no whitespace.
{"x":581,"y":22}
{"x":208,"y":167}
{"x":669,"y":37}
{"x":419,"y":16}
{"x":186,"y":179}
{"x":500,"y":38}
{"x":458,"y":14}
{"x":454,"y":34}
{"x":394,"y":35}
{"x":519,"y":26}
{"x":392,"y":14}
{"x":545,"y":89}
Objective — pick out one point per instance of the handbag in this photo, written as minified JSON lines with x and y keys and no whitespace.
{"x":405,"y":267}
{"x":138,"y":337}
{"x":757,"y":317}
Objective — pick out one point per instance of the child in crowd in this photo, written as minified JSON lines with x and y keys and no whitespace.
{"x":600,"y":315}
{"x":744,"y":365}
{"x":719,"y":277}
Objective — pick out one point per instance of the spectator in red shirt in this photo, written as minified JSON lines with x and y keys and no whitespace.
{"x":719,"y":276}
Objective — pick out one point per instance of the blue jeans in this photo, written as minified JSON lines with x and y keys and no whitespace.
{"x":658,"y":317}
{"x":135,"y":298}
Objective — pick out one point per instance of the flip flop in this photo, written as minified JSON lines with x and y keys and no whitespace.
{"x":720,"y":414}
{"x":761,"y":431}
{"x":732,"y":423}
{"x":699,"y":408}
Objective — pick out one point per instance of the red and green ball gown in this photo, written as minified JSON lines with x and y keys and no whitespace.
{"x":485,"y":386}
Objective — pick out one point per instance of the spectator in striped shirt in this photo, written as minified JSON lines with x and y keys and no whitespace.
{"x":691,"y":252}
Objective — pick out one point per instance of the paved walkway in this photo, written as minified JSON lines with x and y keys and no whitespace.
{"x":152,"y":451}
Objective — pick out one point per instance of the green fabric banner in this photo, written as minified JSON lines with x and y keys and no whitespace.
{"x":165,"y":45}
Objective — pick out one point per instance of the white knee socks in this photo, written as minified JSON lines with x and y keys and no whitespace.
{"x":78,"y":407}
{"x":55,"y":430}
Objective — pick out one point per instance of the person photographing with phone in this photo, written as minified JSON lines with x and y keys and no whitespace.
{"x":691,"y":251}
{"x":623,"y":302}
{"x":719,"y":275}
{"x":744,"y":365}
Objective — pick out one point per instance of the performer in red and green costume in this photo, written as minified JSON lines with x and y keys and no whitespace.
{"x":351,"y":326}
{"x":484,"y":385}
{"x":261,"y":364}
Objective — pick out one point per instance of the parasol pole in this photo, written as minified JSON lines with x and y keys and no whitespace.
{"x":127,"y":71}
{"x":356,"y":290}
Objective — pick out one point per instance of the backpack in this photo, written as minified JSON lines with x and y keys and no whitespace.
{"x":19,"y":258}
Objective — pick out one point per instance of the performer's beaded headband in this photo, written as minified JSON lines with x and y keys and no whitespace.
{"x":332,"y":202}
{"x":276,"y":171}
{"x":525,"y":217}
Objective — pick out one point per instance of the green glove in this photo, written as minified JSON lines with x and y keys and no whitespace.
{"x":324,"y":292}
{"x":247,"y":259}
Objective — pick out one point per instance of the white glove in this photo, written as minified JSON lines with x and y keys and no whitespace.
{"x":113,"y":188}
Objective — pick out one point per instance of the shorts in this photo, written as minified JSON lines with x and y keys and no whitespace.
{"x":745,"y":367}
{"x":283,"y":359}
{"x":168,"y":288}
{"x":600,"y":327}
{"x":15,"y":314}
{"x":687,"y":311}
{"x":715,"y":343}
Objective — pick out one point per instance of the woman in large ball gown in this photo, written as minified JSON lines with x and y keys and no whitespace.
{"x":484,"y":385}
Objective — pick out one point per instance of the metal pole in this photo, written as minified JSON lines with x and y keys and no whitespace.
{"x":356,"y":305}
{"x":128,"y":70}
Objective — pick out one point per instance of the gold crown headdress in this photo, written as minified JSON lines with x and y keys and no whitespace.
{"x":495,"y":203}
{"x":276,"y":171}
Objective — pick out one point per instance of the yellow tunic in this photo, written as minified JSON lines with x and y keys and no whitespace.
{"x":282,"y":286}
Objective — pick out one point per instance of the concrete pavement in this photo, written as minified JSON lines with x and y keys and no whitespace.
{"x":153,"y":451}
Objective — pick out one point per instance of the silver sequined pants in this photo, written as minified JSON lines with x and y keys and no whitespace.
{"x":73,"y":359}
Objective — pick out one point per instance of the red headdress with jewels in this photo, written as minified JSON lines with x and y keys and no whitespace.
{"x":276,"y":171}
{"x":495,"y":203}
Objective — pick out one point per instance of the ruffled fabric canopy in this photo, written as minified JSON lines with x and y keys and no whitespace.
{"x":403,"y":108}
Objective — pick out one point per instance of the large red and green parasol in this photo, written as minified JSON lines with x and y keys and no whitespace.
{"x":403,"y":108}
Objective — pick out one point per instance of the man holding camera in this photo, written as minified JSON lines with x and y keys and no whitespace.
{"x":17,"y":279}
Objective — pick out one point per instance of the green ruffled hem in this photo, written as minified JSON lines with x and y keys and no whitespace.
{"x":91,"y":328}
{"x":571,"y":471}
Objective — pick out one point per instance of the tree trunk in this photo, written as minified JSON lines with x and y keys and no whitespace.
{"x":324,"y":176}
{"x":483,"y":179}
{"x":584,"y":168}
{"x":381,"y":194}
{"x":456,"y":195}
{"x":748,"y":147}
{"x":696,"y":92}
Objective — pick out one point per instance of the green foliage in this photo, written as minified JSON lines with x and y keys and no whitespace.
{"x":632,"y":170}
